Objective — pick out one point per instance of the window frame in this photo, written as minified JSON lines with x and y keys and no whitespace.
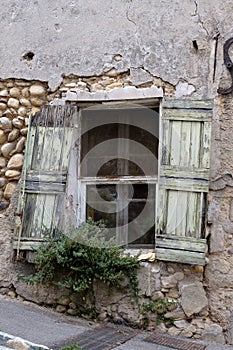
{"x":84,"y":181}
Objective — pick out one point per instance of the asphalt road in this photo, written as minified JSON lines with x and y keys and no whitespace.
{"x":46,"y":327}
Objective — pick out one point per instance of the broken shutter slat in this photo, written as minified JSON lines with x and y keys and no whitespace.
{"x":47,"y":164}
{"x":184,"y":180}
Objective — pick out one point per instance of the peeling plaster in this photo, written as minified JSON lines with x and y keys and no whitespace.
{"x":75,"y":38}
{"x":184,"y":89}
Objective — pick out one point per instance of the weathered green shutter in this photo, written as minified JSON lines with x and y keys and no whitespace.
{"x":184,"y":180}
{"x":44,"y":181}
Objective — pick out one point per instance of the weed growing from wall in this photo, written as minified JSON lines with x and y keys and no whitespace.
{"x":83,"y":257}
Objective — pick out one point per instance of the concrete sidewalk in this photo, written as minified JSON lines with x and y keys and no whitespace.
{"x":49,"y":328}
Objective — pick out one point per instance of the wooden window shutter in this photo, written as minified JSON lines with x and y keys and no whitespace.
{"x":45,"y":175}
{"x":184,"y":180}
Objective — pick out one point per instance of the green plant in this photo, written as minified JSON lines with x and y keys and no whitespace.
{"x":71,"y":347}
{"x":82,"y":257}
{"x":158,"y":309}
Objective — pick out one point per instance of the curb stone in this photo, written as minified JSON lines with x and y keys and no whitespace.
{"x":4,"y":337}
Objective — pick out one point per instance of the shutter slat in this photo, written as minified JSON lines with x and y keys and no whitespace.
{"x":187,"y":104}
{"x":201,"y":173}
{"x":205,"y":162}
{"x":183,"y":114}
{"x":185,"y":184}
{"x":195,"y":145}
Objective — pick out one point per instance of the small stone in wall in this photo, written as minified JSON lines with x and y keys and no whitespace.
{"x":112,"y":72}
{"x":17,"y":344}
{"x":22,"y":111}
{"x":11,"y":294}
{"x":37,"y":102}
{"x":10,"y":187}
{"x":157,"y":295}
{"x":7,"y":148}
{"x":61,"y":308}
{"x":73,"y":306}
{"x":102,"y":316}
{"x":173,"y":331}
{"x":24,"y":131}
{"x":17,"y":123}
{"x":13,"y":103}
{"x":2,"y":162}
{"x":13,"y":135}
{"x":176,"y":315}
{"x":2,"y":182}
{"x":3,"y":106}
{"x":171,"y":281}
{"x":64,"y":300}
{"x":15,"y":92}
{"x":10,"y":113}
{"x":72,"y":312}
{"x":5,"y":123}
{"x":25,"y":102}
{"x":20,"y":145}
{"x":37,"y":90}
{"x":16,"y":161}
{"x":114,"y":85}
{"x":4,"y":93}
{"x":193,"y":299}
{"x":12,"y":173}
{"x":4,"y":205}
{"x":3,"y":137}
{"x":213,"y":334}
{"x":34,"y":110}
{"x":25,"y":92}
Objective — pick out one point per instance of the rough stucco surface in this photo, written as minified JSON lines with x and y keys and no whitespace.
{"x":82,"y":37}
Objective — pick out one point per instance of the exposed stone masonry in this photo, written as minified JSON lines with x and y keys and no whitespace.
{"x":197,"y":309}
{"x":18,"y":99}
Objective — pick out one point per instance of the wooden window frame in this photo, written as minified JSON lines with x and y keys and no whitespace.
{"x":83,"y":182}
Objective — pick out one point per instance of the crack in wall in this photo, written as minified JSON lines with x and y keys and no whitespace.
{"x":200,"y":21}
{"x":128,"y":18}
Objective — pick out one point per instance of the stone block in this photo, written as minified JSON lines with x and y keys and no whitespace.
{"x":217,"y":241}
{"x":149,"y":280}
{"x":7,"y":148}
{"x":10,"y":187}
{"x":16,"y":161}
{"x":5,"y":123}
{"x":13,"y":103}
{"x":193,"y":299}
{"x":37,"y":90}
{"x":139,"y":76}
{"x":213,"y":334}
{"x":17,"y":344}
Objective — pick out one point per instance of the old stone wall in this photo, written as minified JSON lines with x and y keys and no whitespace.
{"x":186,"y":295}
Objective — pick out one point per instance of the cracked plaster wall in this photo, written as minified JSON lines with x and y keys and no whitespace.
{"x":82,"y":37}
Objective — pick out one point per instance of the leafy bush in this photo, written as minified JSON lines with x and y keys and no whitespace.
{"x":82,"y":257}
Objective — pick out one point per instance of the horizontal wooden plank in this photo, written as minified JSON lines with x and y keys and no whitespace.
{"x":180,"y":243}
{"x":46,"y":176}
{"x":44,"y":187}
{"x":27,"y":245}
{"x":178,"y":172}
{"x":187,"y":257}
{"x":187,"y":103}
{"x":184,"y":184}
{"x":189,"y":115}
